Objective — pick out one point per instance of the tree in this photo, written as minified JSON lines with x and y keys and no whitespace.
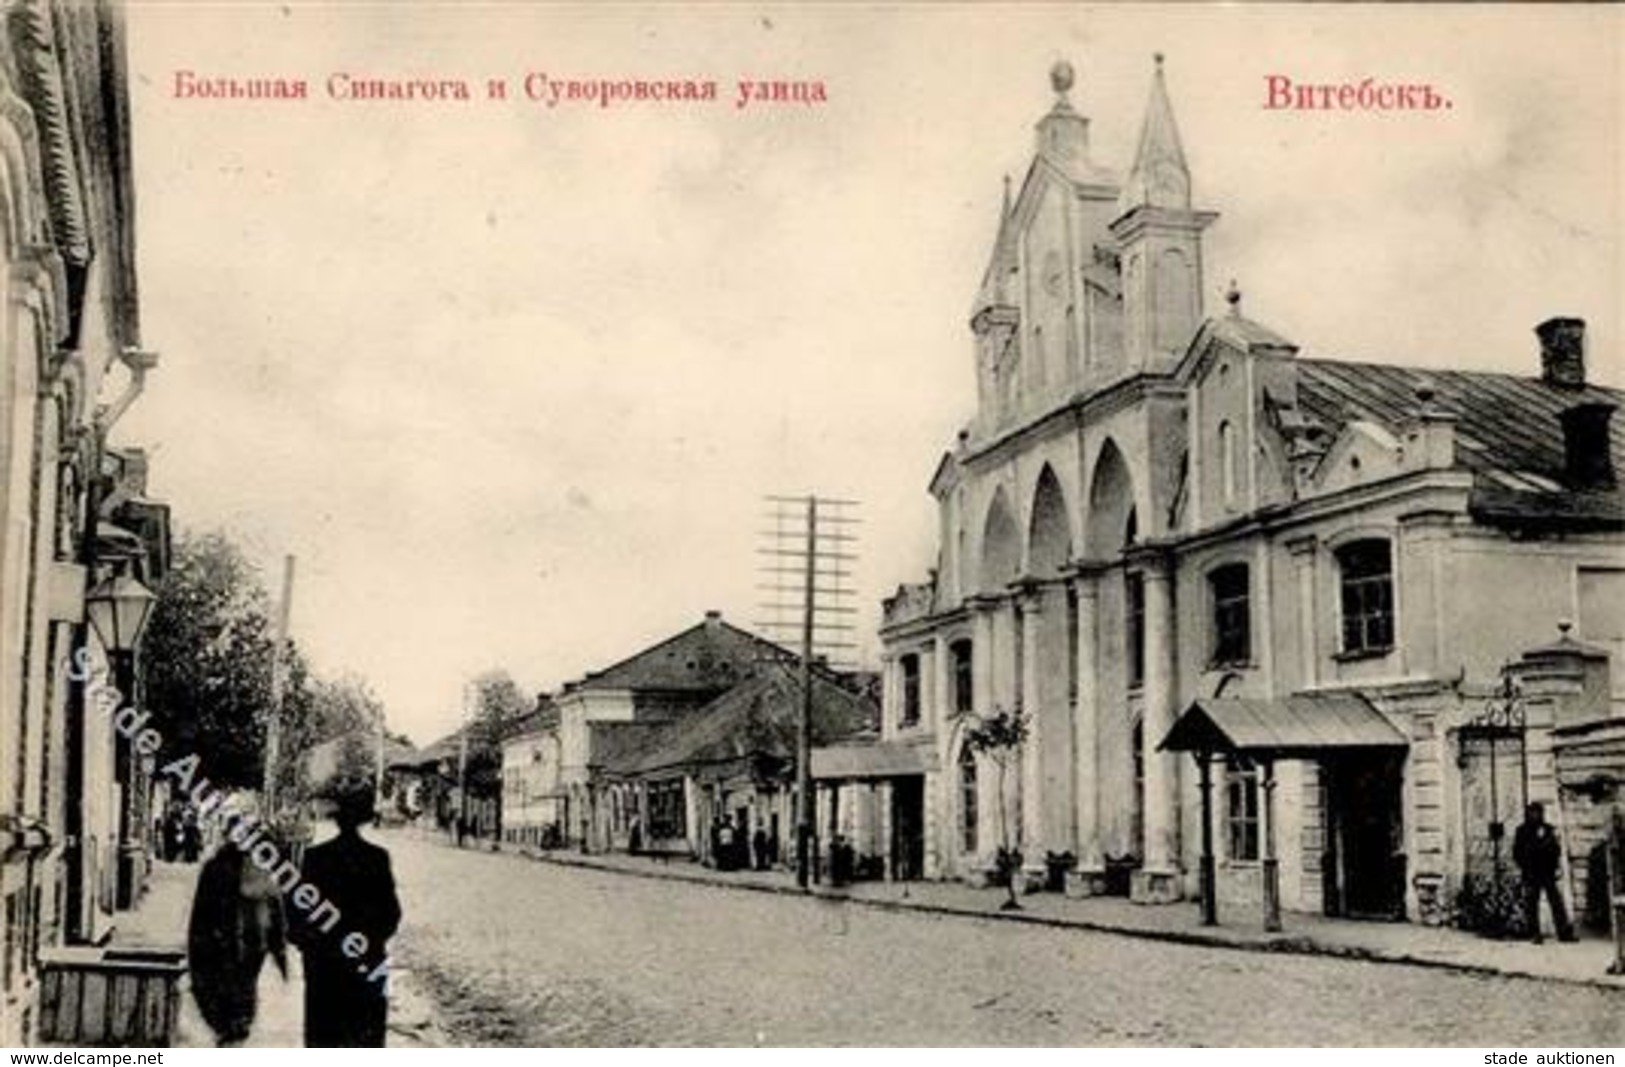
{"x":342,"y":709}
{"x":498,"y":704}
{"x":207,"y":660}
{"x":999,"y":738}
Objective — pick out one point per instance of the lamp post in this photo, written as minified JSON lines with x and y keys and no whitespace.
{"x":139,"y":363}
{"x":119,"y":608}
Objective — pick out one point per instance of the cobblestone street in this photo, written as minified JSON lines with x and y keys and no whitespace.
{"x":517,"y":953}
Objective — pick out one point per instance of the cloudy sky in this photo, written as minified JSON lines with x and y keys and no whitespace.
{"x":509,"y":381}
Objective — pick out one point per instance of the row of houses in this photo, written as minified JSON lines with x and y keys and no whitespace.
{"x":653,"y":752}
{"x":81,"y":543}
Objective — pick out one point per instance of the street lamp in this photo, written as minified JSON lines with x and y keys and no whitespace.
{"x":119,"y":608}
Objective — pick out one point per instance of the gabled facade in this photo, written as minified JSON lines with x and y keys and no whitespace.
{"x":1153,"y":506}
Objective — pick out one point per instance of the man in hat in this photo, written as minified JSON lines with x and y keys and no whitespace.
{"x":346,"y":1003}
{"x":1536,"y":850}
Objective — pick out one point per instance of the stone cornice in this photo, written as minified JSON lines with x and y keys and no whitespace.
{"x":1077,"y":411}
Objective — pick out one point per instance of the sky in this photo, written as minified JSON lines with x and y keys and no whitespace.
{"x":510,"y":381}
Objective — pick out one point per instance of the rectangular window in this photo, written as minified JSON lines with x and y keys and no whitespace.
{"x":1241,"y":810}
{"x":910,"y":667}
{"x":1232,"y":625}
{"x":964,"y":677}
{"x":1134,"y":627}
{"x":1366,"y":578}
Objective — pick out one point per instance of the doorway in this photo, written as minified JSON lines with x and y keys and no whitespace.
{"x":908,"y":828}
{"x":1365,"y":861}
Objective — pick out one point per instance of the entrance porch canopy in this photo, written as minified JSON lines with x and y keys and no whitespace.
{"x":1293,"y":727}
{"x":1302,"y":726}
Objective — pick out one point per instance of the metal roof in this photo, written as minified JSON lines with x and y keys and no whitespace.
{"x":1300,"y":725}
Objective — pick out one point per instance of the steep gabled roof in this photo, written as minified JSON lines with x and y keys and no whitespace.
{"x":612,"y":746}
{"x":1508,"y":430}
{"x":758,"y":718}
{"x":711,"y":655}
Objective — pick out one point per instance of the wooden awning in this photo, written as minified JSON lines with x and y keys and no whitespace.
{"x":1300,"y":726}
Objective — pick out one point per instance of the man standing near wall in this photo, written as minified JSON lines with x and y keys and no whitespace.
{"x":1538,"y":852}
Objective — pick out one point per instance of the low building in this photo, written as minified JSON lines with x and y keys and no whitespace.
{"x":1323,"y":564}
{"x":733,"y":759}
{"x":666,"y":740}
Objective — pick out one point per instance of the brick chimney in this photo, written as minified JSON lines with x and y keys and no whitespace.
{"x":1563,"y":352}
{"x":1588,"y":457}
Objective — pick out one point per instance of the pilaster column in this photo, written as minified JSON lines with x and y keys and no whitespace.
{"x":1090,"y":874}
{"x":1158,"y":879}
{"x":1304,"y":555}
{"x":982,"y":655}
{"x":1030,"y":603}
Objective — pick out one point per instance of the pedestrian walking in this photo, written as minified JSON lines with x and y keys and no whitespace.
{"x":725,"y":845}
{"x":237,"y":920}
{"x":191,"y":837}
{"x":346,"y":993}
{"x":758,"y":843}
{"x":1537,"y":852}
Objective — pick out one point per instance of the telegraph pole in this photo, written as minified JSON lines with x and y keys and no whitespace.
{"x":823,"y":568}
{"x":279,"y":681}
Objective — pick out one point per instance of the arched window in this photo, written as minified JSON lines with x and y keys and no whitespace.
{"x":1134,"y":628}
{"x":968,"y":813}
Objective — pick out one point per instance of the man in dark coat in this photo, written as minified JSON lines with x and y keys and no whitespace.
{"x":346,"y":964}
{"x":236,"y":922}
{"x":1537,"y":851}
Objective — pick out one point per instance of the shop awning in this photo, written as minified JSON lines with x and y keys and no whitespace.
{"x":879,"y":759}
{"x":1300,"y":726}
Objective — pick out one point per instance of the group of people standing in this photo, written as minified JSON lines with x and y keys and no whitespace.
{"x":734,"y":849}
{"x":178,"y":835}
{"x":240,"y":917}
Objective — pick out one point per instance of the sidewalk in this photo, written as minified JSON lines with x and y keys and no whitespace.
{"x":160,"y":920}
{"x":1240,"y":928}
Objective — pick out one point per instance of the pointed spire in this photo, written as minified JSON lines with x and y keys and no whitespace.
{"x":1008,"y":206}
{"x":1160,"y":177}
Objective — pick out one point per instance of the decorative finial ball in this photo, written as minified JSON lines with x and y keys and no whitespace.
{"x":1232,"y":295}
{"x":1158,"y":57}
{"x":1061,"y":77}
{"x":1564,"y":626}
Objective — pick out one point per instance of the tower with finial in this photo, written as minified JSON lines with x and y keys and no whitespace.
{"x":1160,"y":241}
{"x":1063,"y":134}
